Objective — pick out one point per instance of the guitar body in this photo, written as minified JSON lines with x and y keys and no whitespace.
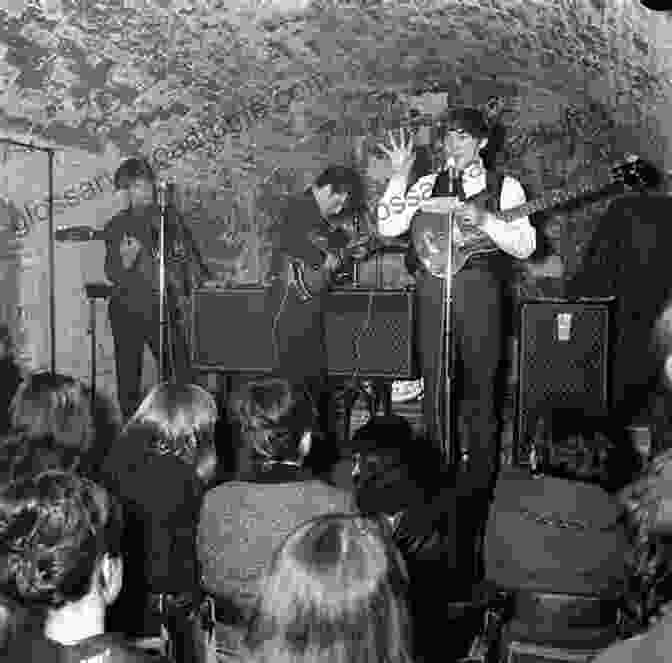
{"x":311,"y":282}
{"x":430,"y":231}
{"x":308,"y":281}
{"x":429,"y":234}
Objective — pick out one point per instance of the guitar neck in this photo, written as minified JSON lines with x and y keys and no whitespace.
{"x":554,"y":198}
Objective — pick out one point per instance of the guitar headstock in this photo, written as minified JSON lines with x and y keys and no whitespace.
{"x":636,"y":173}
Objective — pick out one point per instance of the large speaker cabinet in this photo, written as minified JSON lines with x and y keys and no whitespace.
{"x":563,"y":361}
{"x":231,"y":331}
{"x":368,"y":332}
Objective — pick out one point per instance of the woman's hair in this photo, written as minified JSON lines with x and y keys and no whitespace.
{"x":180,"y":420}
{"x":55,"y":409}
{"x":272,"y":417}
{"x":334,"y":591}
{"x":583,"y":447}
{"x":54,"y":529}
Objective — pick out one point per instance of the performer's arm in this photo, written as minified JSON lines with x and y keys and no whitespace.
{"x":397,"y":206}
{"x":292,"y":235}
{"x":517,"y":237}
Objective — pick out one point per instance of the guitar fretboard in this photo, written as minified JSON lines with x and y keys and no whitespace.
{"x":555,"y":198}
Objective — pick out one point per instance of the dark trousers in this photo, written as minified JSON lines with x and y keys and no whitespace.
{"x":477,"y":330}
{"x":131,"y":330}
{"x":300,"y":353}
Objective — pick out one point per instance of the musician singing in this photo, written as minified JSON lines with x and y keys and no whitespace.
{"x":132,"y":265}
{"x":477,"y":288}
{"x":307,"y":250}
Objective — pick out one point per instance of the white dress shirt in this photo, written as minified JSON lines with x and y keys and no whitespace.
{"x":396,"y":210}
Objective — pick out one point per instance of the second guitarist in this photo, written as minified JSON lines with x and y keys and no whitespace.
{"x":477,"y":289}
{"x":131,"y":264}
{"x":298,"y":316}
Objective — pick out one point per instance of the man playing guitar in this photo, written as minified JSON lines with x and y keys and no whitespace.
{"x":307,"y":249}
{"x":477,"y":287}
{"x":132,"y":265}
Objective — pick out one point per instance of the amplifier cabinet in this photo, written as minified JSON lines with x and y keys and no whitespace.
{"x":563,"y":361}
{"x":368,"y":332}
{"x":231,"y":331}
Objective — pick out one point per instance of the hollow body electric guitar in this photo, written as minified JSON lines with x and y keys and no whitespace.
{"x":310,"y":281}
{"x":429,"y":233}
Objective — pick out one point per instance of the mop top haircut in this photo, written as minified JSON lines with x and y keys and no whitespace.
{"x":55,"y":528}
{"x":334,"y":591}
{"x":272,"y":417}
{"x":177,"y":419}
{"x":131,"y":170}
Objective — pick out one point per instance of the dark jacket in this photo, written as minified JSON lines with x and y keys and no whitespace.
{"x":161,"y":496}
{"x":138,"y":286}
{"x":10,"y":379}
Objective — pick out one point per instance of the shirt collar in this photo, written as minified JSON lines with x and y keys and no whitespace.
{"x":473,"y":177}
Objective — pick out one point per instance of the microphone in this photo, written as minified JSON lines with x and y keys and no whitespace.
{"x":451,"y":169}
{"x":447,"y":183}
{"x":166,"y":193}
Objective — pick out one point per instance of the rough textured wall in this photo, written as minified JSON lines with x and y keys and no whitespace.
{"x":239,"y":105}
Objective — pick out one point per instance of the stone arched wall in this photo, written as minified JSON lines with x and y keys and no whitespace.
{"x":241,"y":102}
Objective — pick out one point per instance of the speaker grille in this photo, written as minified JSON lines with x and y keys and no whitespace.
{"x":563,"y":361}
{"x":231,"y":331}
{"x":369,"y":333}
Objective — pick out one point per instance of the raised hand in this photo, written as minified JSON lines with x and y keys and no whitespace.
{"x":401,"y":154}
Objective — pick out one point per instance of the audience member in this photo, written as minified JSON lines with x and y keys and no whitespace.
{"x":61,"y":567}
{"x":52,"y":427}
{"x":243,"y":520}
{"x":10,"y":377}
{"x":334,"y":591}
{"x":562,"y":530}
{"x":649,"y":501}
{"x":159,"y":469}
{"x":401,"y":479}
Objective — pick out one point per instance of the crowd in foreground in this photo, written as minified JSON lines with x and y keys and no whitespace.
{"x":196,"y":533}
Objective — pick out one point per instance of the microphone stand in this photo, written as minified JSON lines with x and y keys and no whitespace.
{"x":355,"y":266}
{"x":446,"y":419}
{"x":163,"y":318}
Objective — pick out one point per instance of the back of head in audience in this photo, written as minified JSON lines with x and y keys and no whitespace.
{"x":578,"y":446}
{"x":275,"y":422}
{"x":179,"y":420}
{"x":60,"y":552}
{"x":334,"y":591}
{"x":388,"y":442}
{"x":52,"y":426}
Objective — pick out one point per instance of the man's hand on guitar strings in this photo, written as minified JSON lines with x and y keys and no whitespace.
{"x":470,"y":215}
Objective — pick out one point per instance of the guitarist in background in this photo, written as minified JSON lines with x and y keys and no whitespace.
{"x":307,"y":250}
{"x":477,"y":289}
{"x":132,"y":265}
